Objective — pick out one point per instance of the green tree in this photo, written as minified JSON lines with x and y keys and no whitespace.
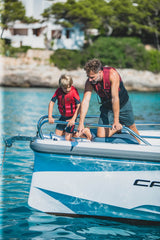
{"x":148,"y":19}
{"x":122,"y":18}
{"x":87,"y":13}
{"x":136,"y":18}
{"x":12,"y":11}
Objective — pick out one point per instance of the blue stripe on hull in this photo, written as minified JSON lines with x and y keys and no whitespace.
{"x":57,"y":162}
{"x":91,"y":208}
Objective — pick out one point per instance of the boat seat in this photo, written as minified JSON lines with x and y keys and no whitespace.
{"x":116,"y":138}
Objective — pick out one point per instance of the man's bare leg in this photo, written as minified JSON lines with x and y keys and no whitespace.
{"x":105,"y":132}
{"x":134,"y":129}
{"x":108,"y":132}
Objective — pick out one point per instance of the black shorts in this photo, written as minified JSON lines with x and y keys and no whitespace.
{"x":63,"y":127}
{"x":126,"y":116}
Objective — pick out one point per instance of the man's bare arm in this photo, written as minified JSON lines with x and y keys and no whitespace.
{"x":115,"y":82}
{"x":85,"y":105}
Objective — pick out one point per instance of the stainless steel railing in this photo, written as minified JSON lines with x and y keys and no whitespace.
{"x":44,"y":119}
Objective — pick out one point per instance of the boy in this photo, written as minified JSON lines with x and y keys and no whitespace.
{"x":68,"y":105}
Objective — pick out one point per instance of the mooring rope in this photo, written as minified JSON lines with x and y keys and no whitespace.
{"x":9,"y":141}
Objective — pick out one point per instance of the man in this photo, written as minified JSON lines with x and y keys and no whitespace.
{"x":115,"y":107}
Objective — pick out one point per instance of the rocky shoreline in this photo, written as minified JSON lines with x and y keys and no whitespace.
{"x":22,"y":73}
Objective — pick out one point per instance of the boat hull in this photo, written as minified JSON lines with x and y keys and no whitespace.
{"x":102,"y":187}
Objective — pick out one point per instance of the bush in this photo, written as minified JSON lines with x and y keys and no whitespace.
{"x":2,"y":47}
{"x":10,"y":51}
{"x":154,"y":60}
{"x":119,"y":52}
{"x":66,"y":59}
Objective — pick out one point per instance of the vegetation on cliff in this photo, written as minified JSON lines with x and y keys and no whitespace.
{"x":118,"y":52}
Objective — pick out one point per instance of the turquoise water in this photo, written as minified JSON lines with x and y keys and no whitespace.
{"x":21,"y":109}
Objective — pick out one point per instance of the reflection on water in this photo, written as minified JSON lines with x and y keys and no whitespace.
{"x":21,"y":109}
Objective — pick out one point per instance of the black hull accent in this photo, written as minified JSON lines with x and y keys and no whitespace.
{"x":122,"y":220}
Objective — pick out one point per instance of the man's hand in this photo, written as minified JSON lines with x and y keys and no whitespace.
{"x":116,"y":126}
{"x":80,"y":129}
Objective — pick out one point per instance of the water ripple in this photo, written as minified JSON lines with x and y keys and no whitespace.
{"x":20,"y":112}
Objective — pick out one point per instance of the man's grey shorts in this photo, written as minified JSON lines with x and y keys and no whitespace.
{"x":126,"y":116}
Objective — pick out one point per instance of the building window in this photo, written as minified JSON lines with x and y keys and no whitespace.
{"x":56,"y":34}
{"x":20,"y":32}
{"x":36,"y":31}
{"x":67,"y":33}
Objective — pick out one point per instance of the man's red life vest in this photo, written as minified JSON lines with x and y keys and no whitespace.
{"x":67,"y":102}
{"x":103,"y":89}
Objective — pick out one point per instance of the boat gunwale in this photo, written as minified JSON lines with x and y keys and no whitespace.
{"x":97,"y":149}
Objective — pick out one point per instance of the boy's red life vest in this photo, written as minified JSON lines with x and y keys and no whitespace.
{"x":103,"y":89}
{"x":67,"y":102}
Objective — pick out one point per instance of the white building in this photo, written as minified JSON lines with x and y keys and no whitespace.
{"x":43,"y":35}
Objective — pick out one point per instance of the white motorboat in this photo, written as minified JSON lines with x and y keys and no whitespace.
{"x":114,"y":178}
